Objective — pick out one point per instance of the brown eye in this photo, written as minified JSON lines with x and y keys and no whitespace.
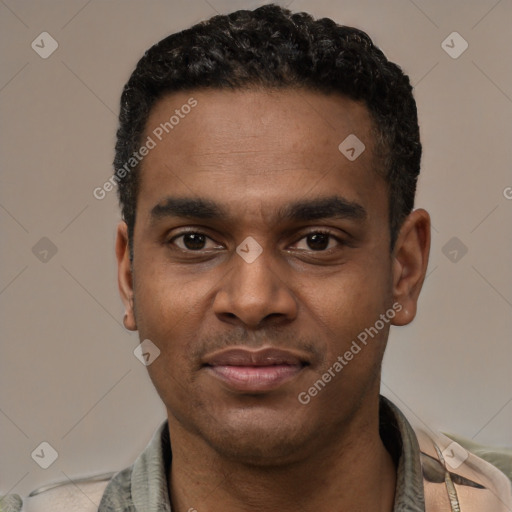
{"x":317,"y":241}
{"x":194,"y":241}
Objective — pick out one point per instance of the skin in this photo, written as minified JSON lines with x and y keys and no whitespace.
{"x":253,"y":152}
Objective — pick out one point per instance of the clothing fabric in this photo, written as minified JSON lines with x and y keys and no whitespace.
{"x":423,"y":474}
{"x":434,"y":474}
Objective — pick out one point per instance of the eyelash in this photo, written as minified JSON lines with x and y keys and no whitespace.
{"x":315,"y":232}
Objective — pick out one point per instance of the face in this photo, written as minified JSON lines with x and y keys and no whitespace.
{"x":261,"y":253}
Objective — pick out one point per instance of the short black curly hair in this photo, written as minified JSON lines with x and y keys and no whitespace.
{"x":271,"y":47}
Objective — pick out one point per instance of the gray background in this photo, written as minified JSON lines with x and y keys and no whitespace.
{"x":67,"y":369}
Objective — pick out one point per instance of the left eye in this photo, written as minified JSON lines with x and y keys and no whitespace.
{"x":317,"y":241}
{"x":193,"y":241}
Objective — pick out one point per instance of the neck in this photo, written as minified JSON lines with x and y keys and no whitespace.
{"x":352,"y":471}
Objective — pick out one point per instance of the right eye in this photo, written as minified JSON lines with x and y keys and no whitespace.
{"x":193,"y":241}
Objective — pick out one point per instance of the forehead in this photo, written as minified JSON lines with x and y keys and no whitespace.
{"x":261,"y":145}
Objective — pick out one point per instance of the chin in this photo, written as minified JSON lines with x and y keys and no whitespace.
{"x":259,"y":438}
{"x":255,"y":449}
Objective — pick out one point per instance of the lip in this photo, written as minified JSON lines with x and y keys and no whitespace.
{"x":255,"y":370}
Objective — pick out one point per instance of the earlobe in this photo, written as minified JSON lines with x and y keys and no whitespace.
{"x":410,"y":260}
{"x":125,"y":276}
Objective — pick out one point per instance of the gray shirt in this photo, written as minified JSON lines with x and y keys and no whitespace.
{"x":143,"y":487}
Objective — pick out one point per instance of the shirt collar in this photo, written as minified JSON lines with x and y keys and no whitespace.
{"x":150,"y":492}
{"x":145,"y":487}
{"x":400,"y":440}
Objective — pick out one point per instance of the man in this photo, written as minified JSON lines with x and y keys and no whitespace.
{"x":267,"y":167}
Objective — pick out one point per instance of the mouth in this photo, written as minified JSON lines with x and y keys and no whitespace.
{"x":257,"y":371}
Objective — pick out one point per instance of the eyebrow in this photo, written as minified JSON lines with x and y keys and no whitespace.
{"x":186,"y":207}
{"x":303,"y":210}
{"x":323,"y":208}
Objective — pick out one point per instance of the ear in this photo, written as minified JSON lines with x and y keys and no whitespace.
{"x":124,"y":275}
{"x":410,"y":260}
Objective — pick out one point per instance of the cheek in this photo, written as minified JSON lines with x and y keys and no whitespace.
{"x":345,"y":304}
{"x":169,"y":317}
{"x":163,"y":298}
{"x":165,"y":309}
{"x":170,"y":309}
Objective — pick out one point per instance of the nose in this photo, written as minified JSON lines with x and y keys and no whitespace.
{"x":254,"y":294}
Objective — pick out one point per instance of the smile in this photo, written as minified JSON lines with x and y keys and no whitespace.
{"x":255,"y":371}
